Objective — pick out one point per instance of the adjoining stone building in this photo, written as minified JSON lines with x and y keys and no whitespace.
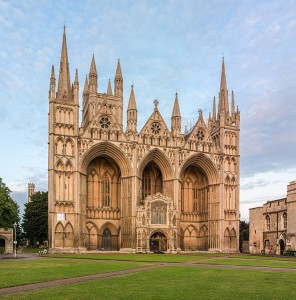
{"x":139,"y":191}
{"x":272,"y":226}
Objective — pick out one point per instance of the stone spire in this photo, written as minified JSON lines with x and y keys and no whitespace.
{"x":64,"y":87}
{"x":132,"y":101}
{"x":176,"y":109}
{"x":109,"y":89}
{"x":118,"y":81}
{"x":132,"y":112}
{"x":85,"y":92}
{"x":52,"y":85}
{"x":232,"y":104}
{"x":93,"y":76}
{"x":223,"y":94}
{"x":176,"y":118}
{"x":214,"y":110}
{"x":76,"y":88}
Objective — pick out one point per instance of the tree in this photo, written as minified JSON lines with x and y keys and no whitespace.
{"x":243,"y":232}
{"x":35,"y":219}
{"x":9,"y":210}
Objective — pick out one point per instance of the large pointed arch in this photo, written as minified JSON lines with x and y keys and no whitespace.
{"x":203,"y":162}
{"x":161,"y":160}
{"x":106,"y":149}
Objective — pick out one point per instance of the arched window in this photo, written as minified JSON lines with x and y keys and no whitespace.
{"x":105,"y":191}
{"x":285,"y":220}
{"x":146,"y":184}
{"x":158,"y":213}
{"x":267,"y":223}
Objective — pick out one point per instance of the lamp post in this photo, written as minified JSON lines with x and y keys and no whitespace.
{"x":14,"y":241}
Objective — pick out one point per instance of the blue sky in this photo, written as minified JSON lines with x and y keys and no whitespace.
{"x":164,"y":46}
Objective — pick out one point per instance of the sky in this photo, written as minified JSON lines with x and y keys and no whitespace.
{"x":164,"y":46}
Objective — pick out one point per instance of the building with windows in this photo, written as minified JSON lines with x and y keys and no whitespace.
{"x":119,"y":188}
{"x":273,"y":226}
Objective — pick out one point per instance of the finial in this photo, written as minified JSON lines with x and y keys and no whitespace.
{"x":156,"y":102}
{"x":200,"y":111}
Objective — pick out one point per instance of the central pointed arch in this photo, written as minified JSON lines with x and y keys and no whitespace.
{"x":203,"y":162}
{"x":161,"y":160}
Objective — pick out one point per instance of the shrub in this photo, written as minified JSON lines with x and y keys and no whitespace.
{"x":288,"y":252}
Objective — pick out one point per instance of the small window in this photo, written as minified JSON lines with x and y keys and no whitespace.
{"x":267,"y":223}
{"x":285,"y":220}
{"x":105,"y":191}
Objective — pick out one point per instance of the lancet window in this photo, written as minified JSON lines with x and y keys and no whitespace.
{"x":285,"y":220}
{"x":105,"y":191}
{"x":152,"y":180}
{"x":267,"y":219}
{"x":194,"y":191}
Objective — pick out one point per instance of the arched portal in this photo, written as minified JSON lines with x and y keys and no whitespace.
{"x":107,"y":240}
{"x":282,"y":246}
{"x":158,"y":242}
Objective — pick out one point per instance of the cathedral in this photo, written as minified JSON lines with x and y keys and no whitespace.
{"x":117,"y":187}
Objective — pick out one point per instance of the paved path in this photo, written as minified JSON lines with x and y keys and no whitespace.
{"x":29,"y":287}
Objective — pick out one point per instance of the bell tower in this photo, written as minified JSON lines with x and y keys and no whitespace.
{"x":63,"y":204}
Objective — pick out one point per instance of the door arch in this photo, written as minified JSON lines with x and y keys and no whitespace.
{"x":107,"y":240}
{"x":158,"y":242}
{"x":282,"y":247}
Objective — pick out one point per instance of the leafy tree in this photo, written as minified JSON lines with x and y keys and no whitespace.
{"x":243,"y":232}
{"x":9,"y":210}
{"x":35,"y":219}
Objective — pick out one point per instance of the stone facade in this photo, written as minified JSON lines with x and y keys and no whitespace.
{"x":273,"y":226}
{"x":156,"y":189}
{"x":7,"y":235}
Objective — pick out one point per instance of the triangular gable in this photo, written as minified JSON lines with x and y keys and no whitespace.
{"x":199,"y":133}
{"x":105,"y":115}
{"x":155,"y":125}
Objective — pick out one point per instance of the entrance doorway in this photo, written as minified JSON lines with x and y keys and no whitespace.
{"x":107,"y":242}
{"x":158,"y":242}
{"x":282,"y":247}
{"x":2,"y":245}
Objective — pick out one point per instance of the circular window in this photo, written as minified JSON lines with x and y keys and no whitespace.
{"x":105,"y":122}
{"x":200,"y":135}
{"x":155,"y":128}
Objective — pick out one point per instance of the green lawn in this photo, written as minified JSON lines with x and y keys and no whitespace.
{"x":275,"y":262}
{"x":177,"y":282}
{"x":18,"y":272}
{"x":170,"y":258}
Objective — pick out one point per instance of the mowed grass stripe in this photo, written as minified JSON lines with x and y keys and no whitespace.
{"x":275,"y":263}
{"x":177,"y":282}
{"x":173,"y":258}
{"x":20,"y":272}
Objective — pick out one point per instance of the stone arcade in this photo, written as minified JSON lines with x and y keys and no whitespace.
{"x":155,"y":189}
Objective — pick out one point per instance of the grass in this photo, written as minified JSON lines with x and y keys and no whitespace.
{"x":18,"y":272}
{"x":177,"y":282}
{"x":167,"y":258}
{"x":259,"y":261}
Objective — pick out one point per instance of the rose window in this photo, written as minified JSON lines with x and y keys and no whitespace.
{"x":200,"y":135}
{"x":105,"y":122}
{"x":155,"y":128}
